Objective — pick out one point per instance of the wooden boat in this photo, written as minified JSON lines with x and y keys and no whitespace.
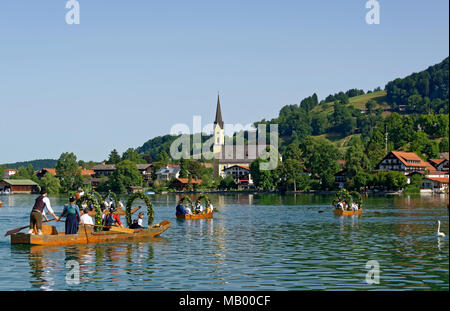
{"x":339,"y":212}
{"x":86,"y":235}
{"x":196,"y":216}
{"x":1,"y":203}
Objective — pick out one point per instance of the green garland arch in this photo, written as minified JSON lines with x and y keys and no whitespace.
{"x":115,"y":198}
{"x":90,"y":198}
{"x":205,"y":198}
{"x":186,"y":198}
{"x":146,"y":199}
{"x":347,"y":197}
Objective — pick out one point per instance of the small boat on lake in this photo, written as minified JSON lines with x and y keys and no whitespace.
{"x":196,"y":216}
{"x":1,"y":203}
{"x":339,"y":212}
{"x":86,"y":235}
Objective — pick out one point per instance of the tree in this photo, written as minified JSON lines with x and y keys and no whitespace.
{"x":68,"y":172}
{"x":321,"y":158}
{"x":443,"y":145}
{"x":51,"y":183}
{"x":228,"y":183}
{"x":163,"y":157}
{"x":264,"y":179}
{"x":114,"y":157}
{"x":132,"y":155}
{"x":125,"y":175}
{"x":290,"y":170}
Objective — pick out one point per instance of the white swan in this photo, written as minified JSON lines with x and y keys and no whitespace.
{"x":440,"y":234}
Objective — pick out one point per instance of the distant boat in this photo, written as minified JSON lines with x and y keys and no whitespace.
{"x":1,"y":203}
{"x":196,"y":216}
{"x":339,"y":212}
{"x":150,"y":192}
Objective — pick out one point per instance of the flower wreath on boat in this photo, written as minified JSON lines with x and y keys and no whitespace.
{"x":146,"y":199}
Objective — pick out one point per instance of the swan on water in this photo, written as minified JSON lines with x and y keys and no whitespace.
{"x":439,"y":234}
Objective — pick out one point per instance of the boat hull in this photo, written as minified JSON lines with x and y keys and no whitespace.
{"x":338,"y":212}
{"x":87,"y":236}
{"x":196,"y":216}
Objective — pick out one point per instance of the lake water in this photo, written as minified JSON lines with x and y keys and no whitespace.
{"x":254,"y":242}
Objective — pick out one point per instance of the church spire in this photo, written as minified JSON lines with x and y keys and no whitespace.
{"x":218,"y":120}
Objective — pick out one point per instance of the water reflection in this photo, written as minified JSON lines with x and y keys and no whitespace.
{"x":264,"y":242}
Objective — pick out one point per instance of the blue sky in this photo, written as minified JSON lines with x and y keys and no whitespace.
{"x":132,"y":69}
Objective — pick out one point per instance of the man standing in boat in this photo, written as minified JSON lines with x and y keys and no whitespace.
{"x":41,"y":203}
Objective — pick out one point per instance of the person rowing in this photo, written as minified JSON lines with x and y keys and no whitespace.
{"x":180,"y":209}
{"x":41,"y":204}
{"x":112,"y":219}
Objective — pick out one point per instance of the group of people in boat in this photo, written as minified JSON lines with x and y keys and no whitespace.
{"x":75,"y":216}
{"x":344,"y":206}
{"x":197,"y":209}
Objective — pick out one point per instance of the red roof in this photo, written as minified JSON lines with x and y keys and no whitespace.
{"x":186,"y":181}
{"x":10,"y":170}
{"x":173,"y":165}
{"x":406,"y":157}
{"x":87,"y":172}
{"x":50,"y":170}
{"x":437,"y":161}
{"x":438,"y":179}
{"x":241,"y":166}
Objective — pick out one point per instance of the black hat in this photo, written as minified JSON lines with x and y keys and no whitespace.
{"x":43,"y":190}
{"x":71,"y":199}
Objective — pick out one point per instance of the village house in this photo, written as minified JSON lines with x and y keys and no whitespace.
{"x":103,"y":170}
{"x":435,"y":184}
{"x":168,"y":172}
{"x":183,"y":184}
{"x":241,"y":175}
{"x":9,"y":172}
{"x":84,"y":173}
{"x":439,"y":164}
{"x":146,"y":172}
{"x":405,"y":162}
{"x":14,"y":186}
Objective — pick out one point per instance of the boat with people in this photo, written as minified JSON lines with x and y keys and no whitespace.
{"x":87,"y":235}
{"x":106,"y":227}
{"x":347,"y":203}
{"x":187,"y":210}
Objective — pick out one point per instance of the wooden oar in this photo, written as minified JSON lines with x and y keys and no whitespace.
{"x":113,"y":228}
{"x":21,"y":228}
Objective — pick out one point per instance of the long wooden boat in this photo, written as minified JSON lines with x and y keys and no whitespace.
{"x":339,"y":212}
{"x":86,"y":235}
{"x":196,"y":216}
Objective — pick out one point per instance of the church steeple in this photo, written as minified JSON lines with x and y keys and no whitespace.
{"x":218,"y":120}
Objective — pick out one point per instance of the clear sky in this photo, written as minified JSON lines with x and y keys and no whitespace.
{"x":131,"y":69}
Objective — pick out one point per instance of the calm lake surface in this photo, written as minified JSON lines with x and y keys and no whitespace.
{"x":255,"y":242}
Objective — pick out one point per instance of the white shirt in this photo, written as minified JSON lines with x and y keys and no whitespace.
{"x":188,"y":210}
{"x":211,"y":207}
{"x":86,"y":219}
{"x":48,"y":207}
{"x":140,"y":222}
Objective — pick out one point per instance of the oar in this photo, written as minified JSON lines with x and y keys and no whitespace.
{"x":21,"y":228}
{"x":113,"y":228}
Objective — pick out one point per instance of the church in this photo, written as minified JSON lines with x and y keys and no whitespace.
{"x":230,"y":158}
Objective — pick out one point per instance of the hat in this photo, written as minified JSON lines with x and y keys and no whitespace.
{"x":43,"y":190}
{"x":71,"y":199}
